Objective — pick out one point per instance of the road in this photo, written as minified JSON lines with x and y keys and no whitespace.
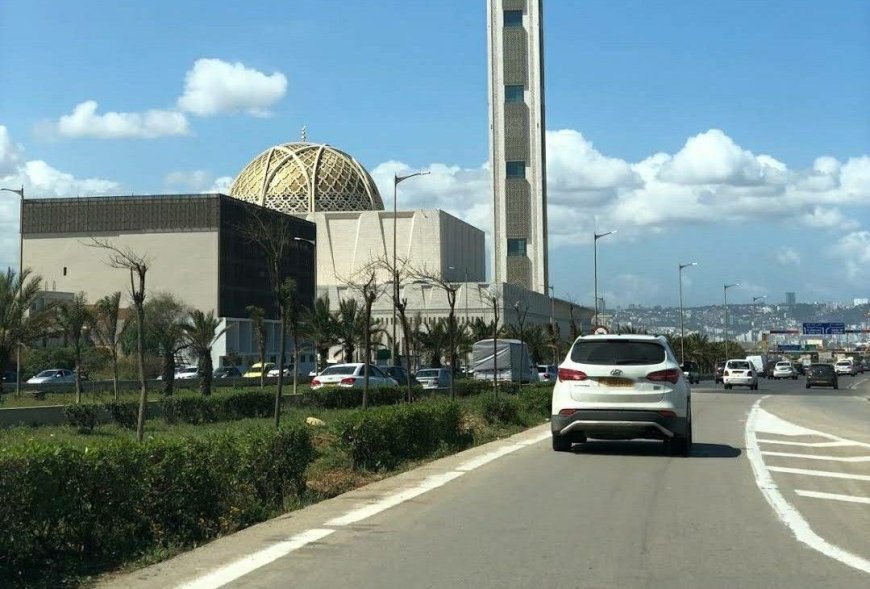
{"x":609,"y":514}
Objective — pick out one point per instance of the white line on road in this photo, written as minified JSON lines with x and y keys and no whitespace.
{"x":251,"y":562}
{"x":833,"y":496}
{"x":816,"y":457}
{"x":537,"y":439}
{"x":488,"y":457}
{"x":812,"y":444}
{"x":367,"y":511}
{"x":790,"y":516}
{"x":820,"y":473}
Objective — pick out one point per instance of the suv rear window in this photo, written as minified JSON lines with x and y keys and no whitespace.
{"x":821,"y":369}
{"x":617,"y":352}
{"x":739,"y":365}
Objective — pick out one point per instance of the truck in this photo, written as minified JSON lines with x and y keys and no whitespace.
{"x":505,"y":359}
{"x":760,"y":363}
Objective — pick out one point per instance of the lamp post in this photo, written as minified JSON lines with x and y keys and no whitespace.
{"x":553,"y":323}
{"x":396,"y":180}
{"x":467,"y":322}
{"x":597,"y":236}
{"x":755,"y":300}
{"x":725,"y":290}
{"x":682,"y":332}
{"x":20,"y":193}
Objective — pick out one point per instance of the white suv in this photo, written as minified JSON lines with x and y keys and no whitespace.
{"x":621,"y":387}
{"x":740,"y":373}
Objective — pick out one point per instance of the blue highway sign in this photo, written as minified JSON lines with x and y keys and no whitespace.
{"x":824,"y":328}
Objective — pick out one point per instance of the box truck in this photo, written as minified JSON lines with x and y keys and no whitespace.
{"x":505,"y":359}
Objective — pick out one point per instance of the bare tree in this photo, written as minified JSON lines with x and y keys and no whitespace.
{"x":365,"y":283}
{"x":107,"y":328}
{"x":137,"y":265}
{"x":258,"y":316}
{"x":294,"y":313}
{"x":450,"y":289}
{"x":521,"y":306}
{"x":493,"y":298}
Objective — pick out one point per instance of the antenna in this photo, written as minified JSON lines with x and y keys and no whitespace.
{"x":304,"y":135}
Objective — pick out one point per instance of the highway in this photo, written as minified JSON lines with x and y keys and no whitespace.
{"x":775,"y":494}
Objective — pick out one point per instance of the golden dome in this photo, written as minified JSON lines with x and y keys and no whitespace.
{"x":307,"y":177}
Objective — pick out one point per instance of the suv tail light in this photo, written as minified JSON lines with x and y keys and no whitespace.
{"x":671,"y":375}
{"x":748,"y":373}
{"x":348,"y":380}
{"x":570,"y":374}
{"x":315,"y":382}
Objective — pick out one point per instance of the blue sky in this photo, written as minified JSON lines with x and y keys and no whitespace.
{"x":735,"y":134}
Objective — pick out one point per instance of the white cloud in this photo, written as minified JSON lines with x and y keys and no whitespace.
{"x":214,"y":86}
{"x":222,"y":184}
{"x":824,"y":218}
{"x":10,"y":153}
{"x":84,"y":121}
{"x":853,"y":251}
{"x":788,"y":256}
{"x":197,"y":181}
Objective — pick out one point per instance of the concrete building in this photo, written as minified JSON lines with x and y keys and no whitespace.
{"x":194,"y":249}
{"x":517,"y":150}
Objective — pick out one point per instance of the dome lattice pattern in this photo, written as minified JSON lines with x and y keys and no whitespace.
{"x":307,"y":177}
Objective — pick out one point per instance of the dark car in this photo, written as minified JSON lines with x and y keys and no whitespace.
{"x":227,"y":372}
{"x":9,"y":376}
{"x":720,"y":371}
{"x":692,"y":371}
{"x":821,"y":375}
{"x":399,"y":374}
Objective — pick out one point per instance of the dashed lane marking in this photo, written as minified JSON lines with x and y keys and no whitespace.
{"x":836,"y":444}
{"x":820,"y":473}
{"x":833,"y":496}
{"x":817,"y":457}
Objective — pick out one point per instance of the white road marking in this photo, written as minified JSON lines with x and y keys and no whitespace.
{"x":820,"y":473}
{"x":488,"y":457}
{"x":812,"y":444}
{"x":243,"y":566}
{"x":833,"y":496}
{"x":783,"y":509}
{"x":537,"y":439}
{"x":816,"y":457}
{"x":771,"y":424}
{"x":365,"y":512}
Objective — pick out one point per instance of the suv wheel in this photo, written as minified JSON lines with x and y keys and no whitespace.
{"x":561,"y":443}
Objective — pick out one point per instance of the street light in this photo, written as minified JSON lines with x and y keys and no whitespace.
{"x":682,"y":333}
{"x":725,"y":288}
{"x":553,"y":322}
{"x":467,"y":322}
{"x":20,"y":193}
{"x":396,"y":180}
{"x":595,"y":254}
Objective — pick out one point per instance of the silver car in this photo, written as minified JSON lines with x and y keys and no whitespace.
{"x":53,"y":375}
{"x":433,"y":378}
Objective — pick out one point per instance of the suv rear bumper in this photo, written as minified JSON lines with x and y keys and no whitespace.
{"x":618,"y":424}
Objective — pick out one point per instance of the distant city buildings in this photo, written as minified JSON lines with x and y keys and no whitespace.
{"x":790,"y":298}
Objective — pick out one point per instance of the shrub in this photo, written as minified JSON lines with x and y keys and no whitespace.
{"x":124,"y":413}
{"x":536,"y":400}
{"x":348,"y":398}
{"x":243,"y":404}
{"x":503,"y":409}
{"x":383,"y":437}
{"x":83,"y":416}
{"x":69,"y":510}
{"x":193,"y":410}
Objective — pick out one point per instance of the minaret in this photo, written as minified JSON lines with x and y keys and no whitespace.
{"x":517,"y":151}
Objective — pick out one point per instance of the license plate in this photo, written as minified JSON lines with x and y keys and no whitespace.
{"x":616,"y":382}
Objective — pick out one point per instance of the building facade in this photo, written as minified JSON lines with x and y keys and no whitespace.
{"x":517,"y":150}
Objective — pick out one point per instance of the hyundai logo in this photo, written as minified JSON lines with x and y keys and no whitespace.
{"x":615,"y":372}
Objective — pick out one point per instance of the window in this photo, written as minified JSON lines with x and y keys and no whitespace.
{"x":514,"y":93}
{"x":64,"y":270}
{"x":516,"y":247}
{"x":611,"y":352}
{"x":513,"y":18}
{"x":515,"y":169}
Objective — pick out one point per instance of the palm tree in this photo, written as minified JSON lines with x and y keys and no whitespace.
{"x":20,"y":320}
{"x":320,"y":326}
{"x":258,"y":316}
{"x":107,"y":330}
{"x":200,"y":334}
{"x":434,"y":340}
{"x":482,"y":329}
{"x":73,"y":318}
{"x":346,"y":321}
{"x":294,"y":311}
{"x":167,"y":316}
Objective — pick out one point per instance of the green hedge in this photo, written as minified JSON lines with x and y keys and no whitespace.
{"x":124,"y":413}
{"x":68,"y":511}
{"x":383,"y":437}
{"x":200,"y":409}
{"x":348,"y":398}
{"x":84,"y":416}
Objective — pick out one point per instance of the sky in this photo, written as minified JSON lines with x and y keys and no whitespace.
{"x":732,"y":134}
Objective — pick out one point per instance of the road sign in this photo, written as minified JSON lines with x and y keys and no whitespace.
{"x":824,"y":328}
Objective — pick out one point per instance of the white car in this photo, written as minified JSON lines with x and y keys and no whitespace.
{"x":740,"y":373}
{"x":53,"y":375}
{"x":784,"y":370}
{"x":844,"y":367}
{"x":547,"y":373}
{"x":273,"y":373}
{"x":187,"y":373}
{"x":351,"y":376}
{"x":621,"y":387}
{"x":433,"y":378}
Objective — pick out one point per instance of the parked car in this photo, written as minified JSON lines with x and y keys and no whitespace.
{"x":351,"y":375}
{"x":784,"y":369}
{"x":547,"y":373}
{"x":256,"y":369}
{"x":822,"y":375}
{"x":53,"y":375}
{"x":621,"y":387}
{"x":187,"y":373}
{"x":273,"y":373}
{"x":226,"y":372}
{"x":399,"y":374}
{"x":692,"y":371}
{"x":9,"y":376}
{"x":846,"y":367}
{"x":719,"y":371}
{"x":740,"y":373}
{"x":433,"y":378}
{"x":178,"y":369}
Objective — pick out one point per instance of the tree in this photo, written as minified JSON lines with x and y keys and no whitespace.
{"x":72,"y":318}
{"x":521,"y":306}
{"x":137,"y":265}
{"x":320,"y":326}
{"x":200,"y":333}
{"x":493,"y":298}
{"x":20,"y":320}
{"x":258,"y":316}
{"x":294,"y":312}
{"x":366,"y":284}
{"x":434,"y":341}
{"x":450,"y":289}
{"x":346,"y":326}
{"x":166,"y":329}
{"x":107,"y":330}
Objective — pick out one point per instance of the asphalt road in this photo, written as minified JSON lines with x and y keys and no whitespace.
{"x":609,"y":514}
